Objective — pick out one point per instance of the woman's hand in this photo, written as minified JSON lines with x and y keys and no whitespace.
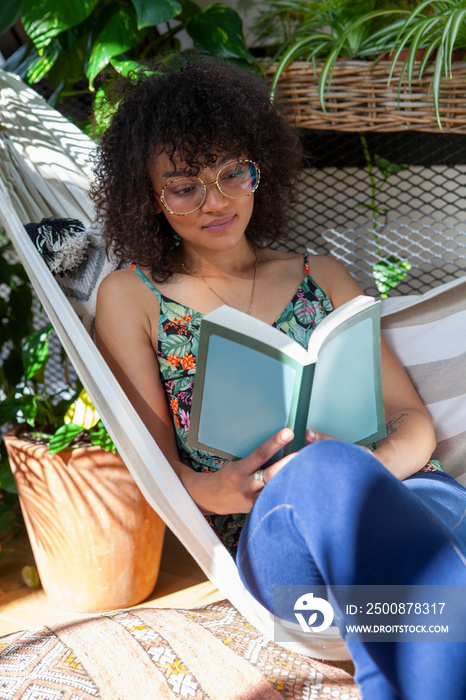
{"x":236,"y":486}
{"x":312,"y":436}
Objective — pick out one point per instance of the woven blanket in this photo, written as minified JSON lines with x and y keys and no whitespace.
{"x":146,"y":653}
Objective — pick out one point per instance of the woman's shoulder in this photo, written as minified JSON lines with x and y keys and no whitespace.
{"x":322,"y":266}
{"x":124,"y":291}
{"x":281,"y":260}
{"x":328,"y":273}
{"x":333,"y":278}
{"x":116,"y":277}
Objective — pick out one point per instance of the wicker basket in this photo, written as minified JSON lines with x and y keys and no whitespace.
{"x":360,"y":99}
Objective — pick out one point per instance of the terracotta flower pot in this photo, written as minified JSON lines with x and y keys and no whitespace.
{"x":96,"y":541}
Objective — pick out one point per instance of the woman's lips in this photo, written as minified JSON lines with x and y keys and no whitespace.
{"x":220,"y":224}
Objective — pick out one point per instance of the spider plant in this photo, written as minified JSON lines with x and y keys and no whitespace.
{"x":436,"y":27}
{"x":308,"y":30}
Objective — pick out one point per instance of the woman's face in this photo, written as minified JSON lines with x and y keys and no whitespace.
{"x":219,"y":223}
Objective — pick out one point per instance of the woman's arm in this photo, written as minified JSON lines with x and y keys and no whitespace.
{"x":126,"y":334}
{"x":410,"y":437}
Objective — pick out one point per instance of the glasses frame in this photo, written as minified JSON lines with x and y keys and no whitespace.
{"x":206,"y":184}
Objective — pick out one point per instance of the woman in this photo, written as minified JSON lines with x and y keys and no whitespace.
{"x":195,"y":178}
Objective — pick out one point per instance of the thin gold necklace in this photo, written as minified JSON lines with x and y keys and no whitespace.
{"x":251,"y":300}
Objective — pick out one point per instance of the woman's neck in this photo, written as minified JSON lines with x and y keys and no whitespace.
{"x":214,"y":264}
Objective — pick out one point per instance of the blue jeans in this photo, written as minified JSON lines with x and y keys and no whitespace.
{"x":335,"y":515}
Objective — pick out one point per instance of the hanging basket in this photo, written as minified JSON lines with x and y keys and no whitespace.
{"x":360,"y":99}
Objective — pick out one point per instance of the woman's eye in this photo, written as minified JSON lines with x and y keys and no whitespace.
{"x":233,"y":174}
{"x":183,"y":190}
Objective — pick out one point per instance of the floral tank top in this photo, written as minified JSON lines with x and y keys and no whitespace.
{"x":178,"y":342}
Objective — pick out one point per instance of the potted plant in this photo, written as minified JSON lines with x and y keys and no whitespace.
{"x":96,"y":542}
{"x":411,"y":41}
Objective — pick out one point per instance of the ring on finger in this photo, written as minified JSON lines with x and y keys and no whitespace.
{"x":259,"y":476}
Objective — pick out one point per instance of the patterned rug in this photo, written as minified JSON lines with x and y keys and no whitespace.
{"x":211,"y":653}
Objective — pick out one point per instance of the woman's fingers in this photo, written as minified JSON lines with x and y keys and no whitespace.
{"x":268,"y":449}
{"x":313,"y":436}
{"x":276,"y":466}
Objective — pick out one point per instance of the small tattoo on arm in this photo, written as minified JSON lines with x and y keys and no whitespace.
{"x":394,"y":423}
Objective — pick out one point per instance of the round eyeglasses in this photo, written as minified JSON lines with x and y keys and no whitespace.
{"x":184,"y":195}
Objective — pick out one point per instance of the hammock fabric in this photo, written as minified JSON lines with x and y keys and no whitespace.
{"x":44,"y":162}
{"x":44,"y":169}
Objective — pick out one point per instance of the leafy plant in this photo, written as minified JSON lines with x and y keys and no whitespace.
{"x":59,"y":417}
{"x":15,"y":316}
{"x":429,"y":32}
{"x":438,"y":27}
{"x":435,"y":28}
{"x":15,"y":324}
{"x":308,"y":30}
{"x":70,"y":41}
{"x":389,"y":271}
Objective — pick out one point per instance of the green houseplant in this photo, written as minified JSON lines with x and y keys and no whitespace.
{"x":417,"y":33}
{"x":72,"y":43}
{"x":47,"y":414}
{"x":15,"y":324}
{"x":308,"y":31}
{"x":96,"y":542}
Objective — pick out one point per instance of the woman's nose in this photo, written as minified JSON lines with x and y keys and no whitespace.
{"x":214,"y":199}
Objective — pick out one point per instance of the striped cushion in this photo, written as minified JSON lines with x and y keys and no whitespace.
{"x":428,"y":334}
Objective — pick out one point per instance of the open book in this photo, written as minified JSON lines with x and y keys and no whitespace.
{"x":252,"y":380}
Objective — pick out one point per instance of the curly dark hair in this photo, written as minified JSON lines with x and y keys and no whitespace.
{"x":194,"y":112}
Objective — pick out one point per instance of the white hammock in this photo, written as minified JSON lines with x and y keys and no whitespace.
{"x":44,"y":169}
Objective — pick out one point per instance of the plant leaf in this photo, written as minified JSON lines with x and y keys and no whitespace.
{"x":100,"y":437}
{"x":63,"y":437}
{"x":125,"y":66}
{"x":449,"y":36}
{"x":152,"y":12}
{"x":9,"y":407}
{"x":436,"y":81}
{"x":7,"y":481}
{"x":10,"y":11}
{"x":389,"y":273}
{"x":284,"y":61}
{"x":387,"y":168}
{"x":69,"y":67}
{"x":45,"y":19}
{"x":43,"y":63}
{"x":28,"y":408}
{"x":35,"y":351}
{"x":219,"y":30}
{"x":82,"y":412}
{"x":20,"y":61}
{"x":117,"y":33}
{"x":425,"y":59}
{"x":188,"y":9}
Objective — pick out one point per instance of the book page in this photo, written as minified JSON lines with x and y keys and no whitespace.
{"x":247,"y":397}
{"x":344,"y":398}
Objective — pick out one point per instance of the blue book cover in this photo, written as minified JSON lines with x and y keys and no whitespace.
{"x":252,"y":380}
